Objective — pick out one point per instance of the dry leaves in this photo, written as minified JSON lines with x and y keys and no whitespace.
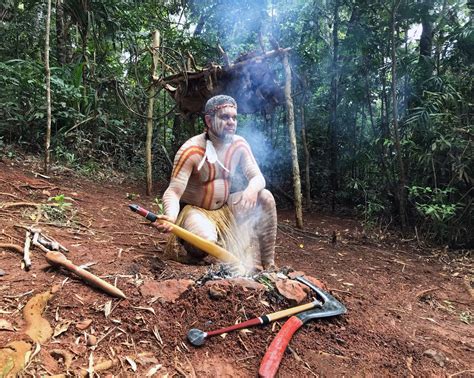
{"x":5,"y":325}
{"x":83,"y":324}
{"x":153,"y":370}
{"x":61,"y":327}
{"x":132,"y":363}
{"x":108,"y":308}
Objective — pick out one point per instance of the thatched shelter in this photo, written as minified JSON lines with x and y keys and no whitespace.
{"x":251,"y":80}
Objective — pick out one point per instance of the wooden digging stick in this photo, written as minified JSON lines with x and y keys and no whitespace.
{"x":201,"y":243}
{"x":57,"y":258}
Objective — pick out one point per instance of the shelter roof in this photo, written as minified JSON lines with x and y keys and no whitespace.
{"x":252,"y":80}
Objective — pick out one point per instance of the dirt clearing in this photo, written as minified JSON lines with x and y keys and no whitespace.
{"x":409,"y":310}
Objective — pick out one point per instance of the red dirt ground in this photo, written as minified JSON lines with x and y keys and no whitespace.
{"x":409,"y":310}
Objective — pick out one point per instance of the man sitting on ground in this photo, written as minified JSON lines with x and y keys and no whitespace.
{"x":198,"y":197}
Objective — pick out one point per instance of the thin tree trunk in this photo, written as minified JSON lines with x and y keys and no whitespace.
{"x":60,"y":33}
{"x":149,"y":122}
{"x":294,"y":150}
{"x":306,"y":159}
{"x":401,"y":167}
{"x":334,"y":99}
{"x":48,"y":92}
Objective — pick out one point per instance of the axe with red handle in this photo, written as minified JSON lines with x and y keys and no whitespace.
{"x":271,"y":360}
{"x":198,"y":337}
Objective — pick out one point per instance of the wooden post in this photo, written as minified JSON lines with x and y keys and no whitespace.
{"x":149,"y":122}
{"x":294,"y":150}
{"x":48,"y":92}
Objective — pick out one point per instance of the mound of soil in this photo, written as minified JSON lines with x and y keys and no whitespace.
{"x":409,"y":310}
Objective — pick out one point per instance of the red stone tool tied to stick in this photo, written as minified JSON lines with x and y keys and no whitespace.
{"x":203,"y":244}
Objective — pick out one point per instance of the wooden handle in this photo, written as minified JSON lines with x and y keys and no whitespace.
{"x":290,"y":311}
{"x":271,"y":360}
{"x":57,"y":258}
{"x":203,"y":244}
{"x":246,"y":324}
{"x":265,"y":319}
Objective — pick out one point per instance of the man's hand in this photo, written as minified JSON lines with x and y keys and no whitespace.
{"x":163,"y":226}
{"x":248,"y":200}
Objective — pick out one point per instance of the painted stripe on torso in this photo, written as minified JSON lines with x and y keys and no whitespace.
{"x":187,"y":153}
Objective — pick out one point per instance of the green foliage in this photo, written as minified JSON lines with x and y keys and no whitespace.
{"x":433,"y":203}
{"x":373,"y":207}
{"x":60,"y":200}
{"x":342,"y":80}
{"x":158,"y":202}
{"x":62,"y":213}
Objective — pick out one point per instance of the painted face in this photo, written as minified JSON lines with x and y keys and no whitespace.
{"x":224,"y":123}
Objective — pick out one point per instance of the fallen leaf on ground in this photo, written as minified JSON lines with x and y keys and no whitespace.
{"x":151,"y":309}
{"x":153,"y":370}
{"x":83,"y":324}
{"x":245,"y":330}
{"x":38,"y":328}
{"x":5,"y":325}
{"x":107,"y":309}
{"x":132,"y":363}
{"x":61,"y":327}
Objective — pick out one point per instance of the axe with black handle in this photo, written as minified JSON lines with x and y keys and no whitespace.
{"x":272,"y":358}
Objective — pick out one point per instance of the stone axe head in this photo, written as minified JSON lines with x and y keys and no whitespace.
{"x":330,"y":306}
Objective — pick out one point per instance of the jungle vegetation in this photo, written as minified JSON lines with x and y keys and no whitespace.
{"x":383,"y":94}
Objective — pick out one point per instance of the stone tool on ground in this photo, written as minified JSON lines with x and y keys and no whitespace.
{"x":272,"y":358}
{"x":197,"y":337}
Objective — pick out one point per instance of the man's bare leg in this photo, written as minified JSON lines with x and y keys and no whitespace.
{"x":198,"y":223}
{"x":267,"y":228}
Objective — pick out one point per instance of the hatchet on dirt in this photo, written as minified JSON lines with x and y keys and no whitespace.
{"x":324,"y":308}
{"x":203,"y":244}
{"x":272,"y":358}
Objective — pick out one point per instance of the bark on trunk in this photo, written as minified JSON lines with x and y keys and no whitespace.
{"x":48,"y":92}
{"x":401,"y":167}
{"x":306,"y":159}
{"x":334,"y":99}
{"x":60,"y":33}
{"x":294,"y":151}
{"x":426,"y":44}
{"x":149,"y":122}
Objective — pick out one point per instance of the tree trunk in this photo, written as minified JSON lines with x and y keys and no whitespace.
{"x":306,"y":159}
{"x":334,"y":99}
{"x":60,"y":33}
{"x":294,"y":150}
{"x":149,"y":122}
{"x":401,"y":167}
{"x":426,"y":44}
{"x":48,"y":92}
